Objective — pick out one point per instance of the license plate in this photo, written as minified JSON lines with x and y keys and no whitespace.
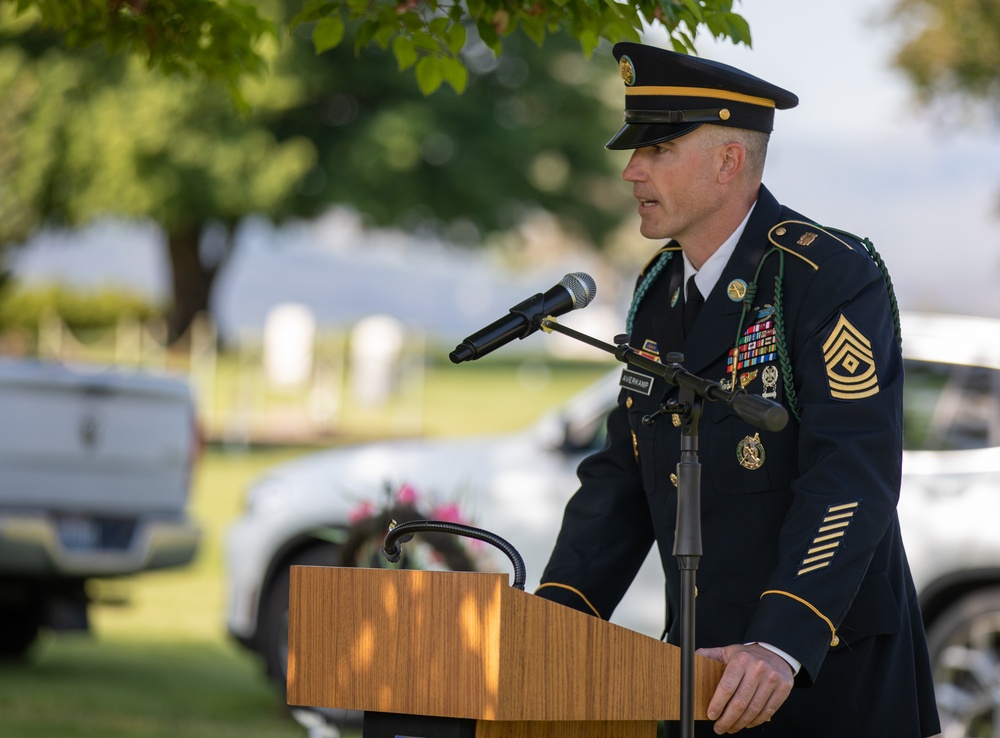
{"x":79,"y":533}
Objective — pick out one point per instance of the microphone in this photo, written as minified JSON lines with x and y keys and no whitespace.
{"x":574,"y":291}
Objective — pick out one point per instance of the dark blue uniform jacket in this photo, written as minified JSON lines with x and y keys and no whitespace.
{"x":802,"y":547}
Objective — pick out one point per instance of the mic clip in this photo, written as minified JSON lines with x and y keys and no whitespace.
{"x":670,"y":407}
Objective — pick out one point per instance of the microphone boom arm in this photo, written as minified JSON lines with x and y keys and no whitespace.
{"x":754,"y":409}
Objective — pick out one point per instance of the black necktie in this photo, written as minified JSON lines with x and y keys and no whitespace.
{"x":692,"y":304}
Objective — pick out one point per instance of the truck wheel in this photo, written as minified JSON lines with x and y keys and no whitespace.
{"x":21,"y":622}
{"x":964,"y":645}
{"x":274,"y":616}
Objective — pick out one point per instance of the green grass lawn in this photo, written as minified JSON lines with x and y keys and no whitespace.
{"x":158,"y":662}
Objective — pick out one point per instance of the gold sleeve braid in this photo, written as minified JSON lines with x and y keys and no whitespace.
{"x":834,"y":638}
{"x":574,"y":590}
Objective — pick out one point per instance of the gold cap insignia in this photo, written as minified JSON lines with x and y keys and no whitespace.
{"x":627,"y":70}
{"x":750,"y":452}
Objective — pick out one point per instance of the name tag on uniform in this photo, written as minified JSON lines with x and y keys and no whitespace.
{"x":636,"y":381}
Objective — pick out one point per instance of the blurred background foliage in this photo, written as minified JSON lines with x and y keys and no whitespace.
{"x":25,"y":308}
{"x":85,"y":134}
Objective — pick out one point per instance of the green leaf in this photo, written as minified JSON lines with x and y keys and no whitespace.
{"x":423,"y":40}
{"x":489,"y":35}
{"x":384,"y":35}
{"x":588,"y":42}
{"x":739,"y":29}
{"x":534,"y":28}
{"x":694,"y":9}
{"x":456,"y":38}
{"x":405,"y":52}
{"x":439,"y":27}
{"x":364,"y":34}
{"x":455,"y":74}
{"x":328,"y":33}
{"x":429,"y":74}
{"x":311,"y":11}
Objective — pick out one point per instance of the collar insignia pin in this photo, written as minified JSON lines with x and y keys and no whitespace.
{"x":736,"y":290}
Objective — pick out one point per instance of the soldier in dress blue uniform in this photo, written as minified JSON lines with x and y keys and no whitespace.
{"x":804,"y":590}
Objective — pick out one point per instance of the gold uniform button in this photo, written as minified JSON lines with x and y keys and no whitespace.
{"x":780,"y":231}
{"x":628,"y":402}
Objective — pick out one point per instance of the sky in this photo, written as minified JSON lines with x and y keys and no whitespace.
{"x":857,"y":153}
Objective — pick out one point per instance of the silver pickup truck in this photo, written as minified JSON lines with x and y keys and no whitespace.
{"x":95,"y":480}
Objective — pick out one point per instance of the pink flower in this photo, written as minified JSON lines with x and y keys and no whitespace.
{"x":406,"y":495}
{"x":364,"y":510}
{"x":450,"y":513}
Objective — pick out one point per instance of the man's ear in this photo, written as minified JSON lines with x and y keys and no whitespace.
{"x":733,"y":157}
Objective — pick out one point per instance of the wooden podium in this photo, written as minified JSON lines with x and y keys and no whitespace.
{"x":468,"y":647}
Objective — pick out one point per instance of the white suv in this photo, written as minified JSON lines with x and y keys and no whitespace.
{"x":333,"y":507}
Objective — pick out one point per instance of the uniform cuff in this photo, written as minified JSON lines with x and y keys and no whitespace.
{"x":794,"y":663}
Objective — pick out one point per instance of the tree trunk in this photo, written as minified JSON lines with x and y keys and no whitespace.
{"x":192,"y":280}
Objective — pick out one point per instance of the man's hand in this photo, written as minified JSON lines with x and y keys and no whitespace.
{"x":755,"y":684}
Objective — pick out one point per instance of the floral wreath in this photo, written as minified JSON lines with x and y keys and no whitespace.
{"x":369,"y":522}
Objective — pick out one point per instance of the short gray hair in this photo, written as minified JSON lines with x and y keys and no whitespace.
{"x":754,"y":142}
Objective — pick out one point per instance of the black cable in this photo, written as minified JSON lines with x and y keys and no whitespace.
{"x":392,"y":551}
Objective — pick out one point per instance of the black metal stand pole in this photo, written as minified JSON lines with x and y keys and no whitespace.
{"x":687,"y":548}
{"x":694,"y":391}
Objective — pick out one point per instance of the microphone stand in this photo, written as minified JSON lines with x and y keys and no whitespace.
{"x":693,"y":393}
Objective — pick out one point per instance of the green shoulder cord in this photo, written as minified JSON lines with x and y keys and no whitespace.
{"x":893,"y":305}
{"x":788,"y":380}
{"x":647,"y":281}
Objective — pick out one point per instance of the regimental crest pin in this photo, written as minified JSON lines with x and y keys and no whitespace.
{"x":750,"y":452}
{"x":675,"y":297}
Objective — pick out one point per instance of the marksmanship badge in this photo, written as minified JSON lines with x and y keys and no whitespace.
{"x":770,"y":379}
{"x":750,"y":452}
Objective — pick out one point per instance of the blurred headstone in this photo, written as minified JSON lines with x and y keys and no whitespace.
{"x":289,"y":333}
{"x":376,"y":348}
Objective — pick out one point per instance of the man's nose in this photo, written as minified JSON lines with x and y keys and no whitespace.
{"x":632,"y":171}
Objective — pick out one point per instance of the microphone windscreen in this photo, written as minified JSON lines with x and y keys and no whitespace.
{"x":581,"y":286}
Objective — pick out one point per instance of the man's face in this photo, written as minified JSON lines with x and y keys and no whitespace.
{"x":676,"y":184}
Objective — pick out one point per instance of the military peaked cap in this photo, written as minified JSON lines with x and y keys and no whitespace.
{"x":669,"y":94}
